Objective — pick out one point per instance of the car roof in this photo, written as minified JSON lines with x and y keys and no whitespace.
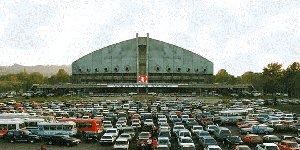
{"x":269,"y":144}
{"x":122,"y":139}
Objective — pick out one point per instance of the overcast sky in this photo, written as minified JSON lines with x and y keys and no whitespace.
{"x":236,"y":35}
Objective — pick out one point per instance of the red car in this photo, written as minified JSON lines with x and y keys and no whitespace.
{"x":288,"y":145}
{"x":252,"y":139}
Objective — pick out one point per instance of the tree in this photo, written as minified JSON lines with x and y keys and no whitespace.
{"x":62,"y":76}
{"x":222,"y":76}
{"x":291,"y":79}
{"x":273,"y":74}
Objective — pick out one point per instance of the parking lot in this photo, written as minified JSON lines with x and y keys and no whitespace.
{"x":165,"y":106}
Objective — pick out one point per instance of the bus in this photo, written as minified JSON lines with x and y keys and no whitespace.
{"x":6,"y":125}
{"x":86,"y":125}
{"x":232,"y":116}
{"x":53,"y":128}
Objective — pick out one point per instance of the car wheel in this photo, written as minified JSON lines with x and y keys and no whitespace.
{"x":67,"y":144}
{"x":31,"y":140}
{"x":50,"y":142}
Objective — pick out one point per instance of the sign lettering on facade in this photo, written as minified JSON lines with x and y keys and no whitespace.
{"x":142,"y":78}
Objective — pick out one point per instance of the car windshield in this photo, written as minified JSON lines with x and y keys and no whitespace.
{"x":164,"y":134}
{"x":121,"y":142}
{"x":187,"y":141}
{"x":272,"y":148}
{"x":212,"y":127}
{"x":185,"y":134}
{"x":235,"y":138}
{"x":274,"y":138}
{"x":180,"y":127}
{"x":125,"y":135}
{"x":162,"y":141}
{"x":111,"y":131}
{"x":225,"y":132}
{"x":106,"y":137}
{"x":255,"y":137}
{"x":144,"y":135}
{"x":210,"y":141}
{"x":204,"y":134}
{"x":198,"y":128}
{"x":292,"y":145}
{"x":289,"y":138}
{"x":143,"y":140}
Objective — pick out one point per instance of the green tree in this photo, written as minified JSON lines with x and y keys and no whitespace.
{"x":273,"y":74}
{"x":222,"y":76}
{"x":62,"y":76}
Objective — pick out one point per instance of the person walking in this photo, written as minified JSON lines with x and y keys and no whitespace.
{"x":154,"y":143}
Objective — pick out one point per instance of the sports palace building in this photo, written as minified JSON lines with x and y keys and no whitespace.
{"x":142,"y":65}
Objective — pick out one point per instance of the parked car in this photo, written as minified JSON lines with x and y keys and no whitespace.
{"x":61,"y":140}
{"x":252,"y":139}
{"x":107,"y":139}
{"x":257,"y":129}
{"x":20,"y":135}
{"x":121,"y":143}
{"x":271,"y":139}
{"x":207,"y":140}
{"x":163,"y":141}
{"x":88,"y":136}
{"x":288,"y":145}
{"x":267,"y":146}
{"x":232,"y":141}
{"x":221,"y":133}
{"x":185,"y":141}
{"x":213,"y":147}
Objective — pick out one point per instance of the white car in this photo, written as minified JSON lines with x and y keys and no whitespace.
{"x":185,"y":141}
{"x":126,"y":136}
{"x":113,"y":131}
{"x":196,"y":128}
{"x":162,"y":121}
{"x":177,"y":128}
{"x":163,"y":141}
{"x":148,"y":122}
{"x":267,"y":146}
{"x":121,"y":143}
{"x":107,"y":139}
{"x":213,"y":147}
{"x":107,"y":126}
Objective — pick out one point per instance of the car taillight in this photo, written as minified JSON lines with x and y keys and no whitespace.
{"x":169,"y":144}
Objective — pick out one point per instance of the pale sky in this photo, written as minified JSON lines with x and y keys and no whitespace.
{"x":236,"y":35}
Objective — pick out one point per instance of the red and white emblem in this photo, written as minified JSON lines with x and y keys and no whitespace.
{"x":142,"y":78}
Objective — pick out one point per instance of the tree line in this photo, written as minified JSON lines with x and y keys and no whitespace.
{"x":23,"y":81}
{"x":273,"y":79}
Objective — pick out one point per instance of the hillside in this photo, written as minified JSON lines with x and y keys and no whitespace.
{"x":48,"y":70}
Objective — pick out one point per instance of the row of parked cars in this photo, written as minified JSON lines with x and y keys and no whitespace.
{"x":164,"y":124}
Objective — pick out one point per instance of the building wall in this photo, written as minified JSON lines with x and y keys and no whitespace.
{"x":91,"y":67}
{"x":164,"y":55}
{"x":114,"y":56}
